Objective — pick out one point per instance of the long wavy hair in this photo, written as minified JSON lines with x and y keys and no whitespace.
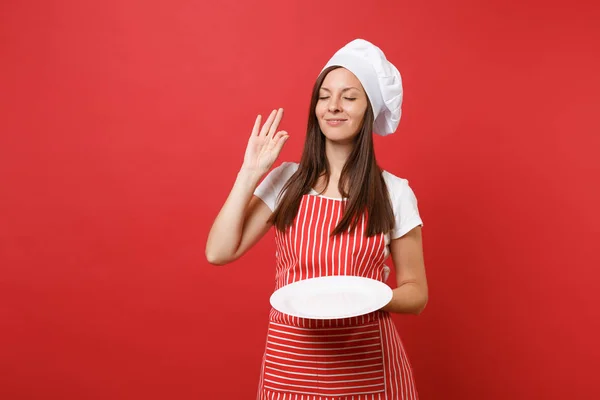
{"x":361,"y":181}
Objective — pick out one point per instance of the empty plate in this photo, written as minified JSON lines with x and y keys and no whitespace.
{"x":331,"y":297}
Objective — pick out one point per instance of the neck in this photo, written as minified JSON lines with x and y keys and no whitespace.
{"x":337,"y":154}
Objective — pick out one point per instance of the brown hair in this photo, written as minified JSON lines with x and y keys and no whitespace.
{"x":367,"y":192}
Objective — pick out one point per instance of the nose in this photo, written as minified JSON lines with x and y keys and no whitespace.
{"x":333,"y":105}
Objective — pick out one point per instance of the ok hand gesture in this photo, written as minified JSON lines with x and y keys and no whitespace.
{"x":265,"y":144}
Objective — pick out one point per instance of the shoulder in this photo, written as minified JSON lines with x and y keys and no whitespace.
{"x":289,"y":166}
{"x":400,"y":191}
{"x":396,"y":185}
{"x":284,"y":171}
{"x":272,"y":185}
{"x":280,"y":175}
{"x":404,"y":204}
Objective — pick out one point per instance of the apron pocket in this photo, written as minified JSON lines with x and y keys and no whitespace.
{"x":342,"y":361}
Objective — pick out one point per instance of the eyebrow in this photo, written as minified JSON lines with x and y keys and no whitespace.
{"x":343,"y":90}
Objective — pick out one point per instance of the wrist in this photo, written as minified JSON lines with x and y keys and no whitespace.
{"x":250,"y":175}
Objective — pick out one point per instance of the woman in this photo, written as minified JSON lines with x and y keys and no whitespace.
{"x":335,"y":213}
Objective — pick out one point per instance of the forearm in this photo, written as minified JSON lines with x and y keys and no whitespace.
{"x":408,"y":298}
{"x":226,"y":232}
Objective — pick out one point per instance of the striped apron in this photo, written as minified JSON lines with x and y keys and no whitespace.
{"x":354,"y":358}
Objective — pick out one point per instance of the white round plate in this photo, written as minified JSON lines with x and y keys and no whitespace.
{"x":331,"y":297}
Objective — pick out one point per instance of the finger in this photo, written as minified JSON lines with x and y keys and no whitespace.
{"x":265,"y":129}
{"x":275,"y":124}
{"x":275,"y":138}
{"x":256,"y":127}
{"x":283,"y":138}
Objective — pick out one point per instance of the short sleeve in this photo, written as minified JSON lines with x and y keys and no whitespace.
{"x":404,"y":204}
{"x":268,"y":190}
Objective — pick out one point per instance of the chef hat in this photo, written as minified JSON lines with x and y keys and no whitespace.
{"x":380,"y":79}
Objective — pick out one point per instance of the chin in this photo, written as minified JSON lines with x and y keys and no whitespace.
{"x":337,"y":135}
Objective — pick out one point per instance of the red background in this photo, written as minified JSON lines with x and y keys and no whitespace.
{"x":125,"y":122}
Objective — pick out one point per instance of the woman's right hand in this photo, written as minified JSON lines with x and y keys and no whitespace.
{"x":265,"y":144}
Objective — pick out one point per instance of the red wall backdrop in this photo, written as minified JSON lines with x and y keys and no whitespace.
{"x":124,"y":124}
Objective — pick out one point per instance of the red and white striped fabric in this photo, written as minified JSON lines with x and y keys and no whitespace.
{"x":355,"y":358}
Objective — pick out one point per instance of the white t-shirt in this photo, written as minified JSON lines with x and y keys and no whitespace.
{"x":404,"y":202}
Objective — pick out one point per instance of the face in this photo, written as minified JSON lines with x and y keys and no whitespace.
{"x":341,"y":105}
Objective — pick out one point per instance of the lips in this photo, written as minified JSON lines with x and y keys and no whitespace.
{"x":335,"y":121}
